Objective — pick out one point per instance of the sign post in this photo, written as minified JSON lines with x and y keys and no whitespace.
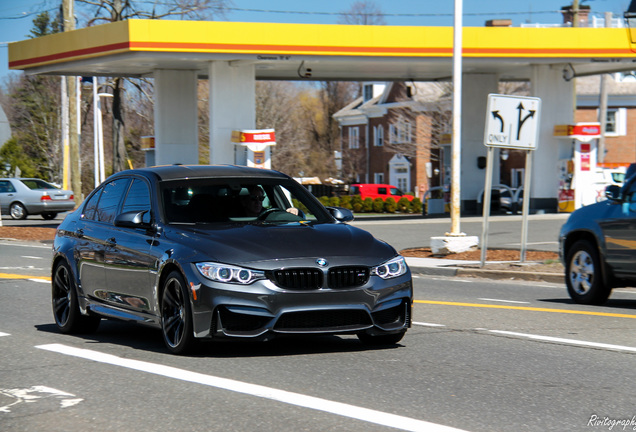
{"x":512,"y":122}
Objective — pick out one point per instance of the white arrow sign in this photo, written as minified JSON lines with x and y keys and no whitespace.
{"x":512,"y":122}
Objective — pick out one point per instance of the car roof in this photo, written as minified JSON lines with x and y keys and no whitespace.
{"x":179,"y":172}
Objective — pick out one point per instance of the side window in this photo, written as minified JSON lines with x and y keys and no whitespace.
{"x":110,"y":199}
{"x":382,"y":190}
{"x":91,"y":206}
{"x":138,"y":199}
{"x":6,"y":186}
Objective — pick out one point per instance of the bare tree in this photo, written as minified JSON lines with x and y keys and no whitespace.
{"x":363,"y":12}
{"x":101,"y":11}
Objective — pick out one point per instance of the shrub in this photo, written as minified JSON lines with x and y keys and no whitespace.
{"x":345,"y":201}
{"x":403,"y":205}
{"x":334,"y":201}
{"x":378,"y":205}
{"x":367,"y":205}
{"x":356,"y":207}
{"x":390,"y":205}
{"x":416,"y":205}
{"x":324,"y":201}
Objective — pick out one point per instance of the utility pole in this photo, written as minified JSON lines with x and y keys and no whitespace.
{"x":73,"y":115}
{"x":602,"y":111}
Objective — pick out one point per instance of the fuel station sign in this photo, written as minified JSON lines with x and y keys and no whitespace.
{"x":257,"y":144}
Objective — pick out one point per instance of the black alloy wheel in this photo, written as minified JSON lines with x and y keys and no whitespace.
{"x":68,"y":317}
{"x":176,"y":315}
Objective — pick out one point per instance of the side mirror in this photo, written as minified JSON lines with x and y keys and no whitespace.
{"x":132,"y":219}
{"x":341,"y":214}
{"x":613,"y":193}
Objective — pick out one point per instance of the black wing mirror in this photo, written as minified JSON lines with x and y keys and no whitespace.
{"x":613,"y":193}
{"x":341,"y":214}
{"x":132,"y":219}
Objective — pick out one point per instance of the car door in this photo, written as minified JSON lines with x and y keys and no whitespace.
{"x":6,"y":193}
{"x":130,"y":259}
{"x":93,"y":231}
{"x":620,"y":234}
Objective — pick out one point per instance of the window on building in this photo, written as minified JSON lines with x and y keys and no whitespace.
{"x":354,"y":137}
{"x":400,"y":131}
{"x":378,"y":139}
{"x":616,"y":123}
{"x":378,"y":178}
{"x":368,"y":92}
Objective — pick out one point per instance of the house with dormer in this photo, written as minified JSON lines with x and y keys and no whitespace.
{"x":393,"y":134}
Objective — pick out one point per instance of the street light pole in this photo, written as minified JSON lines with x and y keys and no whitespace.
{"x":455,"y":241}
{"x":457,"y":109}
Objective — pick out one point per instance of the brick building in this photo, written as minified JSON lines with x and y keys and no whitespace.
{"x":392,"y":134}
{"x":620,"y":134}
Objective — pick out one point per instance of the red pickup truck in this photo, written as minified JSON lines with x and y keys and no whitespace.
{"x":373,"y":191}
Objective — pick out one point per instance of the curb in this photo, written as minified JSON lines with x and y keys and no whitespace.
{"x":489,"y":274}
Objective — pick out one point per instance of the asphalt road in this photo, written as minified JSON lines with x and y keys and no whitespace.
{"x":482,"y":356}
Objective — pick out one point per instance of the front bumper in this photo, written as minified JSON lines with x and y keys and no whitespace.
{"x":263,"y":309}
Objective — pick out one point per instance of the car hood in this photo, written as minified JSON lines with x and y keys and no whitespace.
{"x":297,"y":242}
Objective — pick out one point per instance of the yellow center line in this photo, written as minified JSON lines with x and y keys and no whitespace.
{"x":525,"y":308}
{"x":17,"y":276}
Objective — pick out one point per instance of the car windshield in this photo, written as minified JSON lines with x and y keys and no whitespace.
{"x":239,"y":201}
{"x":37,"y":184}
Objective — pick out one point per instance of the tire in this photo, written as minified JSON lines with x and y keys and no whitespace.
{"x":49,"y":215}
{"x":68,"y":317}
{"x":17,"y":211}
{"x":583,"y":275}
{"x":385,"y":339}
{"x":176,"y":315}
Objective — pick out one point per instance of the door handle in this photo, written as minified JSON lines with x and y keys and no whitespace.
{"x":111,"y":241}
{"x":79,"y":232}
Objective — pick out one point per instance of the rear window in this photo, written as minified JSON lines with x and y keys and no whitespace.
{"x":38,"y":184}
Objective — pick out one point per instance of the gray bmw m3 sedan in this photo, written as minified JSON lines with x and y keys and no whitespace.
{"x":212,"y":252}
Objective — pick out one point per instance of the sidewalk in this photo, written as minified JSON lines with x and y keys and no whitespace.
{"x":446,"y":267}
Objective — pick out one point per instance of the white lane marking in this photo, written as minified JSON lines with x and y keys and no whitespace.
{"x":36,"y":393}
{"x":22,"y":268}
{"x":566,"y":341}
{"x":31,"y":257}
{"x":40,"y":280}
{"x":4,"y":334}
{"x":297,"y":399}
{"x":504,"y":301}
{"x":427,"y":324}
{"x":26,"y":245}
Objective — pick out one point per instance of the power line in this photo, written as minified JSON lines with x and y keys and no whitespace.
{"x":402,"y":15}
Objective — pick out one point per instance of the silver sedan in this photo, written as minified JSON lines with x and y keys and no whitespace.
{"x":20,"y":197}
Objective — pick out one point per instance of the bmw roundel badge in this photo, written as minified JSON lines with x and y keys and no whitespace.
{"x":322,"y":262}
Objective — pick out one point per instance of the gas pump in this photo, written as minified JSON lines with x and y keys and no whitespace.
{"x":577,"y":176}
{"x":253,"y":147}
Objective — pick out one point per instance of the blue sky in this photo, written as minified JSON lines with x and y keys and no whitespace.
{"x":16,"y":16}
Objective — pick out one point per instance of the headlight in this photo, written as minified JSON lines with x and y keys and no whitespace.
{"x":390,"y":269}
{"x":229,"y":274}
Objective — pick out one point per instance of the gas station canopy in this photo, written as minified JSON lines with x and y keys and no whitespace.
{"x":136,"y":48}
